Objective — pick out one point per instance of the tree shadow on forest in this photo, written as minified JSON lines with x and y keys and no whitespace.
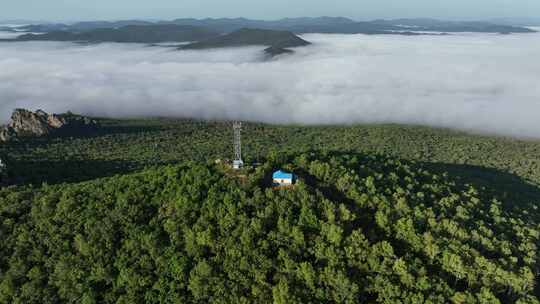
{"x":103,"y":129}
{"x":22,"y":145}
{"x":66,"y":171}
{"x":108,"y":129}
{"x":506,"y":187}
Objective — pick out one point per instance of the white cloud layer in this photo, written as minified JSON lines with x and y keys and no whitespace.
{"x":478,"y":82}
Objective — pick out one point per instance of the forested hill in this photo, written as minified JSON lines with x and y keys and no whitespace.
{"x":356,"y":228}
{"x":247,"y":37}
{"x":137,"y":212}
{"x":129,"y":33}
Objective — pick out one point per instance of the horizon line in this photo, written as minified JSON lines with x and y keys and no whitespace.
{"x":154,"y":19}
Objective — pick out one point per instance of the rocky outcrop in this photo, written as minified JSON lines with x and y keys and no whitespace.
{"x":7,"y":134}
{"x":26,"y":123}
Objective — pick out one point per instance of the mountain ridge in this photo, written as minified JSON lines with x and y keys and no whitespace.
{"x":300,"y":25}
{"x":128,"y":33}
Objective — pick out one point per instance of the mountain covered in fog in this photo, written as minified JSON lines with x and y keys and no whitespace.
{"x":301,"y":25}
{"x":426,"y":24}
{"x":340,"y":25}
{"x":278,"y":41}
{"x":130,"y":33}
{"x":530,"y":21}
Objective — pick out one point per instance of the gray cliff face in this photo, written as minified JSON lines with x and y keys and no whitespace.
{"x":7,"y":134}
{"x":26,"y":123}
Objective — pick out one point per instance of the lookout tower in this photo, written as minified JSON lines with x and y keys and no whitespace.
{"x":237,"y":142}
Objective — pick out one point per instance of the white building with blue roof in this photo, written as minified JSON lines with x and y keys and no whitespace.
{"x":282,"y":178}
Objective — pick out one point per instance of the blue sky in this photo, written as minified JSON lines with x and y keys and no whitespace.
{"x":358,"y":9}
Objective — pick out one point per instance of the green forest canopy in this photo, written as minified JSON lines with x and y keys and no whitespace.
{"x":426,"y":225}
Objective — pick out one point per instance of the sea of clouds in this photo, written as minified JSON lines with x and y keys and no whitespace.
{"x":484,"y":83}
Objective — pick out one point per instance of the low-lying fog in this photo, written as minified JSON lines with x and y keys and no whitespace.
{"x":478,"y":82}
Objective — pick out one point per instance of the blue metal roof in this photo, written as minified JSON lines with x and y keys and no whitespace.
{"x":282,"y":175}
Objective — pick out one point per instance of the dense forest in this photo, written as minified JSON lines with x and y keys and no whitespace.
{"x":141,"y":213}
{"x":126,"y":145}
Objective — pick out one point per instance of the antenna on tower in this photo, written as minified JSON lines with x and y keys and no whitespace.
{"x":237,"y":142}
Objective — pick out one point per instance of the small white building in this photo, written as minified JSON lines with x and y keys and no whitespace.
{"x":281,"y":178}
{"x":237,"y":164}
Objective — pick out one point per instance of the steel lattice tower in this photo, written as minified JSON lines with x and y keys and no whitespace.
{"x":237,"y":142}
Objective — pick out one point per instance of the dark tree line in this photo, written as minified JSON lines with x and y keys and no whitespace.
{"x":123,"y":146}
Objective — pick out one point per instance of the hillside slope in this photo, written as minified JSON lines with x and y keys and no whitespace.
{"x":355,"y":228}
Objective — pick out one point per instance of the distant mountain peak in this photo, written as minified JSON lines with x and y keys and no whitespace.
{"x":250,"y":36}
